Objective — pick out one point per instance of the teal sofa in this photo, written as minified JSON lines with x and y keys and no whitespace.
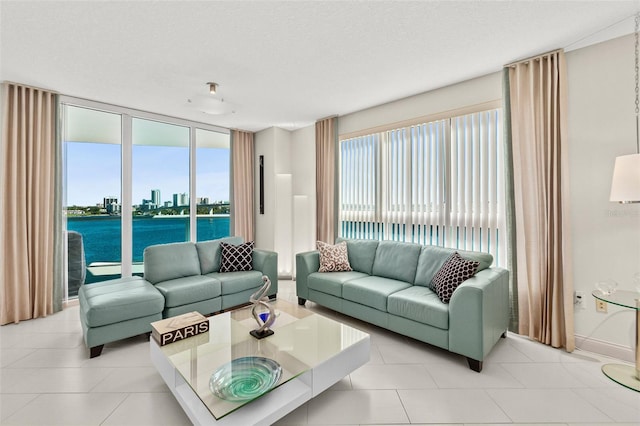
{"x":390,"y":287}
{"x":178,"y":278}
{"x":188,"y":276}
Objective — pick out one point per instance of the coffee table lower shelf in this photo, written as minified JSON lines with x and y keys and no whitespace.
{"x":274,"y":405}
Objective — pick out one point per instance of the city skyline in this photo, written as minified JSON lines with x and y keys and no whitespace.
{"x":92,"y":173}
{"x":163,"y":203}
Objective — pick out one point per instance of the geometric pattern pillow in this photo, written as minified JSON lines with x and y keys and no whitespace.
{"x":236,"y":258}
{"x":454,"y":272}
{"x":333,"y":258}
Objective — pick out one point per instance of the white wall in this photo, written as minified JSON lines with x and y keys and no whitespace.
{"x":303,"y":151}
{"x":606,"y":235}
{"x":264,"y":143}
{"x":289,"y":218}
{"x":476,"y":91}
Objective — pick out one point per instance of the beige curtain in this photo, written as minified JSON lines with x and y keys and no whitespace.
{"x":538,"y":95}
{"x":326,"y":213}
{"x":242,"y":153}
{"x":28,"y":159}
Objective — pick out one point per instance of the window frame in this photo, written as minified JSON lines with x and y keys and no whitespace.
{"x":127,"y":116}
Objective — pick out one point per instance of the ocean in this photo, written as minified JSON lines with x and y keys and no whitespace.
{"x":102,"y":240}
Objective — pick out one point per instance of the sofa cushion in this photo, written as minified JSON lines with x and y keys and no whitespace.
{"x":361,"y":254}
{"x":419,"y":304}
{"x":333,"y":258}
{"x":331,"y":282}
{"x":236,"y":257}
{"x":164,"y":262}
{"x":433,"y":257}
{"x":209,"y":253}
{"x":114,"y":301}
{"x":235,"y":282}
{"x":453,"y":273}
{"x":396,"y":260}
{"x":372,"y":291}
{"x":185,"y":290}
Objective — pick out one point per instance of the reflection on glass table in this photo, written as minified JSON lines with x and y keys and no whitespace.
{"x":215,"y":374}
{"x":626,"y":375}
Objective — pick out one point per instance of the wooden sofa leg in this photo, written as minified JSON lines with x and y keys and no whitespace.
{"x":301,"y":301}
{"x":504,"y":335}
{"x":273,"y":296}
{"x":474,"y":364}
{"x":148,"y":335}
{"x":95,"y":351}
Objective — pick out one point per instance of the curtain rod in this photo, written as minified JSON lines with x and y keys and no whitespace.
{"x":326,"y":118}
{"x":533,"y":58}
{"x":600,"y":30}
{"x":537,"y":58}
{"x":13,"y":83}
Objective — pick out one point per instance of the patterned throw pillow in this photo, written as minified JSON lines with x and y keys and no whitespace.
{"x":236,"y":258}
{"x":333,"y":258}
{"x":454,"y":272}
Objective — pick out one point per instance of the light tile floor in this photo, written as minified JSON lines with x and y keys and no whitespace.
{"x":47,"y":378}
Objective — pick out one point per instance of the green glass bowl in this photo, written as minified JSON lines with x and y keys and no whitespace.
{"x":245,"y":378}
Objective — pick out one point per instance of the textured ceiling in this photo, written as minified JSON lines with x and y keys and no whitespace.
{"x":282,"y":64}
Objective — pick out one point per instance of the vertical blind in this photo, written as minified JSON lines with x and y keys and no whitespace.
{"x":438,"y":183}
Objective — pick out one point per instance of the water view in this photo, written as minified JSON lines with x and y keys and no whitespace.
{"x":102,"y":241}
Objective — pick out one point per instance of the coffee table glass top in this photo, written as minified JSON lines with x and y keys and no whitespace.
{"x":302,"y":340}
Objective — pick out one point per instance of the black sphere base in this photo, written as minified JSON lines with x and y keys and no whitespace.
{"x":261,"y":335}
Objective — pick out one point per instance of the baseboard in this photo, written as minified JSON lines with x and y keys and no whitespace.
{"x":70,"y":302}
{"x":601,"y":347}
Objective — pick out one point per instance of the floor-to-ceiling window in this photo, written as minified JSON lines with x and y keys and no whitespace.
{"x":160,"y":185}
{"x":133,"y":179}
{"x":212,"y":184}
{"x":93,"y":164}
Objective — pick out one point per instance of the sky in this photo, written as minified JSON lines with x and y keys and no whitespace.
{"x":93,"y":172}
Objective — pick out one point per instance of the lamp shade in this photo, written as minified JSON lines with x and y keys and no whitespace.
{"x":625,"y":186}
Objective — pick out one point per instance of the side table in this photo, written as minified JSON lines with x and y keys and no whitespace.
{"x":624,"y":374}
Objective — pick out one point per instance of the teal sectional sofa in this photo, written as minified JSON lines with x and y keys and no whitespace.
{"x":390,"y":287}
{"x":178,"y":278}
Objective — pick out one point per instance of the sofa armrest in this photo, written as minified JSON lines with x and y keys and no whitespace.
{"x":479,"y":313}
{"x":266,"y":262}
{"x":306,"y":263}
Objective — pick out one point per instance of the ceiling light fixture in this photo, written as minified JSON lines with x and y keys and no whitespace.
{"x":625,"y":186}
{"x":213,"y":88}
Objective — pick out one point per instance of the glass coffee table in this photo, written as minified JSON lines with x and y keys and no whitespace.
{"x":226,"y":376}
{"x":625,"y":375}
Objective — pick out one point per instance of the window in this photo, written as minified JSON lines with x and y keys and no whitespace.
{"x":93,"y":161}
{"x":438,"y":182}
{"x":212,"y":184}
{"x":160,"y":185}
{"x":133,"y":179}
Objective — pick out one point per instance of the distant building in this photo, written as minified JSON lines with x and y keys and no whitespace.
{"x":202,"y":200}
{"x":110,"y":205}
{"x":107,"y":201}
{"x":168,"y":204}
{"x":155,"y":198}
{"x":181,"y":199}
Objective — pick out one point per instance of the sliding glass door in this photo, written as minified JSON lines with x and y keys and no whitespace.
{"x":212,"y":184}
{"x":160,"y":185}
{"x":134,"y":179}
{"x":92,"y":153}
